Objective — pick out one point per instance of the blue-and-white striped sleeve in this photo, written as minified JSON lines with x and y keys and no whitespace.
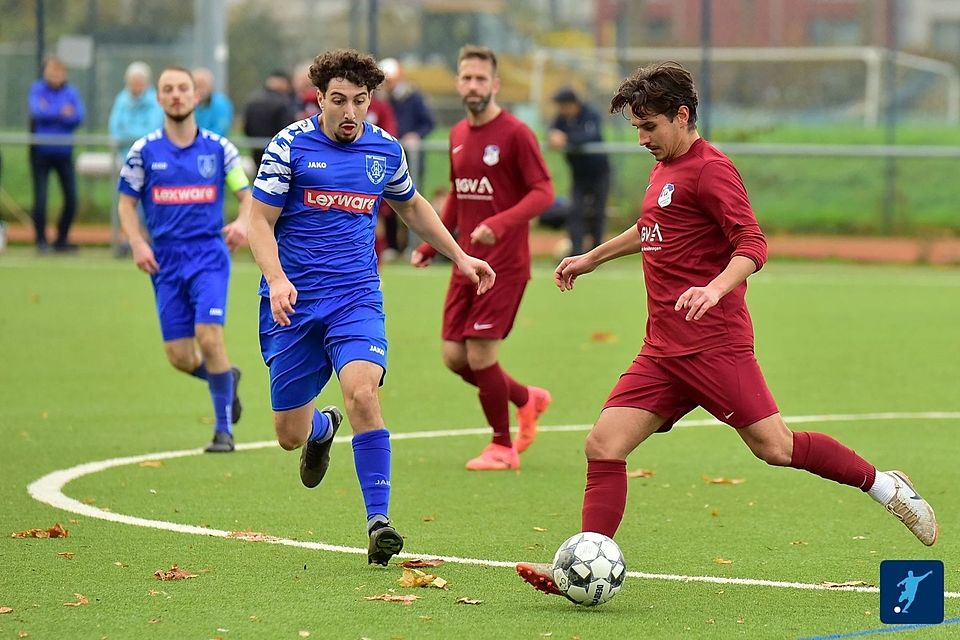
{"x":273,"y":176}
{"x":231,"y":156}
{"x":131,"y":173}
{"x":400,"y":186}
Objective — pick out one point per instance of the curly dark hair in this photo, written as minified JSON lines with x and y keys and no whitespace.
{"x":348,"y":64}
{"x":655,"y":89}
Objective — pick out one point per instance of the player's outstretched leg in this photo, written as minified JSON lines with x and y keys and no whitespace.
{"x":236,"y":408}
{"x":527,"y":415}
{"x":385,"y":542}
{"x":912,"y":510}
{"x":315,"y":456}
{"x":540,"y":577}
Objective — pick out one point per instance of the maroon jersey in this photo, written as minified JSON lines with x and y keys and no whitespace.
{"x":696,"y":216}
{"x":492,"y":168}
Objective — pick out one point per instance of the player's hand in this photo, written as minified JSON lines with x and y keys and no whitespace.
{"x":479,"y":272}
{"x":422,"y":256}
{"x":283,"y":295}
{"x":569,"y":268}
{"x":698,"y":300}
{"x":235,"y":235}
{"x":483,"y":235}
{"x":556,"y":139}
{"x":143,"y":257}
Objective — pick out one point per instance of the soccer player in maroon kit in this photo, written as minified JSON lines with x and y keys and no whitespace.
{"x":500,"y":182}
{"x":700,"y":241}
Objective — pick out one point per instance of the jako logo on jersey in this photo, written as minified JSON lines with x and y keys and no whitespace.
{"x":158,"y":166}
{"x":666,"y":195}
{"x":474,"y":186}
{"x":651,"y":233}
{"x":491,"y":155}
{"x":350,"y":202}
{"x":207,"y":165}
{"x":376,"y":168}
{"x":199,"y":194}
{"x":216,"y":311}
{"x":316,"y":165}
{"x":377,"y":349}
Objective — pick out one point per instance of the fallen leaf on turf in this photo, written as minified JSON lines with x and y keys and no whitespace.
{"x":548,"y":634}
{"x":81,"y":600}
{"x":56,"y":531}
{"x":419,"y":563}
{"x":121,"y":565}
{"x":468,"y":601}
{"x":603,"y":336}
{"x":252,"y":536}
{"x":715,"y":513}
{"x":175,"y":573}
{"x":389,"y":597}
{"x":67,"y":554}
{"x":154,"y":592}
{"x":711,"y":621}
{"x":712,"y":480}
{"x":152,"y":464}
{"x":73,"y":521}
{"x":539,"y":529}
{"x":413,"y":578}
{"x":304,"y":634}
{"x":428,"y":518}
{"x":426,"y":617}
{"x":6,"y":609}
{"x":739,"y":620}
{"x":641,"y":473}
{"x":153,"y":621}
{"x":798,"y":542}
{"x":722,"y":561}
{"x":859,"y":537}
{"x":22,"y":634}
{"x":851,"y":583}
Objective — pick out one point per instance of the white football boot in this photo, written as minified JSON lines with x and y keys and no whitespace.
{"x":912,"y":510}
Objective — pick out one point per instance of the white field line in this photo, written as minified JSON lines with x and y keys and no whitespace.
{"x":49,"y":490}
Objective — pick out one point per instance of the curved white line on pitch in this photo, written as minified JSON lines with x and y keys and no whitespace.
{"x":49,"y":490}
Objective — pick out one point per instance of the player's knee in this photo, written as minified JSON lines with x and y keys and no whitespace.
{"x":596,"y":447}
{"x":287,"y":437}
{"x":185,"y":362}
{"x":362,"y":398}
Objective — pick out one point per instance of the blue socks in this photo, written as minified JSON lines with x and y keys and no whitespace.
{"x":321,"y":429}
{"x":201,"y":371}
{"x":371,"y":455}
{"x":221,"y":391}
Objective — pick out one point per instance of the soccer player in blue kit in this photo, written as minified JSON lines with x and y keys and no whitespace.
{"x":179,"y":173}
{"x":312,"y":224}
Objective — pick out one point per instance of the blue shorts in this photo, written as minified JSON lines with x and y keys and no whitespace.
{"x":323,"y":336}
{"x":191,"y":286}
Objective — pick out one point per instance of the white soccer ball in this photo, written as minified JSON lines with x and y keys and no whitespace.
{"x":589,"y":568}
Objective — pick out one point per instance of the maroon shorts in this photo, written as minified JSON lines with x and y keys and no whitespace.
{"x":725,"y":381}
{"x":467,"y":315}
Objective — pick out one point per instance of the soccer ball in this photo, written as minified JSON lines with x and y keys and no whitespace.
{"x":589,"y":568}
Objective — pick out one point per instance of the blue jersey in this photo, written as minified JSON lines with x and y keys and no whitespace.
{"x":329,"y":193}
{"x":181,"y":189}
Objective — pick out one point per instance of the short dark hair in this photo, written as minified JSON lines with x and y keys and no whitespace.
{"x":175,"y":67}
{"x":348,"y":64}
{"x":655,"y":89}
{"x":478,"y":52}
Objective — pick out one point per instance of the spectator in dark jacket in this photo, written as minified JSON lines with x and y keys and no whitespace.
{"x":56,"y":109}
{"x":575,"y":125}
{"x":269,"y":110}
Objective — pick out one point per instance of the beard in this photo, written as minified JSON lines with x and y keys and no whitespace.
{"x":477,"y":108}
{"x":178,"y":117}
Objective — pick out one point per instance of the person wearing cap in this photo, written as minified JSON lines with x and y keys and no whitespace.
{"x":575,"y":125}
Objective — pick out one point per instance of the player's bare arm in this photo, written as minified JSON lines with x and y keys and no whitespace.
{"x":419,"y":215}
{"x":263,"y":245}
{"x":698,"y":300}
{"x":130,"y":223}
{"x":625,"y":244}
{"x":235,"y":233}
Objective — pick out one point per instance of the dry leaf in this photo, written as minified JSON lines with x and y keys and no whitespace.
{"x":426,"y":617}
{"x":711,"y":621}
{"x":252,"y":536}
{"x":468,"y":601}
{"x":539,"y":529}
{"x":152,"y":464}
{"x":389,"y":597}
{"x":154,"y":592}
{"x":722,"y":561}
{"x":67,"y":554}
{"x":153,"y":621}
{"x":304,"y":634}
{"x":413,"y":578}
{"x":73,"y":521}
{"x":6,"y":609}
{"x":715,"y":513}
{"x":603,"y":336}
{"x":22,"y":634}
{"x":712,"y":480}
{"x":419,"y":563}
{"x":799,"y":542}
{"x":859,"y":537}
{"x":739,"y":620}
{"x":428,"y":518}
{"x":121,"y":565}
{"x":641,"y":473}
{"x":175,"y":573}
{"x":851,"y":583}
{"x":56,"y":531}
{"x":81,"y":600}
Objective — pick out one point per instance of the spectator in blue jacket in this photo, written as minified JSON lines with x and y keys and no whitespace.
{"x":214,"y":111}
{"x":56,"y":109}
{"x":135,"y":111}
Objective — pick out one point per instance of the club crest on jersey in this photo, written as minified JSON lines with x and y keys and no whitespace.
{"x":491,"y":155}
{"x":207,"y":165}
{"x":666,"y":195}
{"x":376,"y":168}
